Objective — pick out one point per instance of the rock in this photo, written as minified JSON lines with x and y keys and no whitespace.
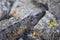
{"x":54,"y":7}
{"x":46,"y":20}
{"x":7,"y":22}
{"x":41,"y":1}
{"x":5,"y":7}
{"x":22,"y":27}
{"x":22,"y":8}
{"x":43,"y":4}
{"x":43,"y":25}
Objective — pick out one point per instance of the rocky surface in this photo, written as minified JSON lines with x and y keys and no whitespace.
{"x":23,"y":8}
{"x":54,"y":7}
{"x":7,"y":22}
{"x":5,"y":7}
{"x":11,"y":11}
{"x":43,"y":25}
{"x":18,"y":8}
{"x":21,"y":28}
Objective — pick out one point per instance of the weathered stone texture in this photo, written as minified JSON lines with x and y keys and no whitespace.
{"x":54,"y":7}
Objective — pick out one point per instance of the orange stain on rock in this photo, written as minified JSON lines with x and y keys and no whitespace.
{"x":15,"y":13}
{"x":16,"y":33}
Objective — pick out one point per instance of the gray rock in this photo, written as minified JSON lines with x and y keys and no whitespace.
{"x":41,"y":1}
{"x":21,"y":28}
{"x":43,"y":25}
{"x":24,"y":7}
{"x":5,"y":7}
{"x":54,"y":7}
{"x":5,"y":23}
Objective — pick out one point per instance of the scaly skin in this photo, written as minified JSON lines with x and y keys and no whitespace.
{"x":16,"y":30}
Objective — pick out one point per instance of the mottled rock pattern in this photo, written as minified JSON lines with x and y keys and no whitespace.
{"x":43,"y":25}
{"x":24,"y":7}
{"x":5,"y":7}
{"x":7,"y":22}
{"x":54,"y":7}
{"x":14,"y":31}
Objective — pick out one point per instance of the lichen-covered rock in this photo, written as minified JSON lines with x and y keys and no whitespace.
{"x":56,"y":34}
{"x":46,"y":20}
{"x":44,"y":27}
